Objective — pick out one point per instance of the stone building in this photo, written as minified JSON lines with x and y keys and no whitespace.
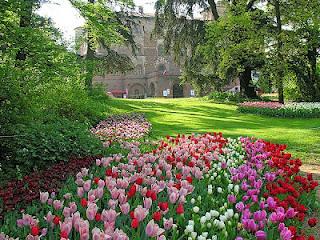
{"x":154,"y":75}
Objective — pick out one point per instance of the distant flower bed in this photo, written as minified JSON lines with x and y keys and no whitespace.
{"x":190,"y":187}
{"x":122,"y":127}
{"x":274,"y":109}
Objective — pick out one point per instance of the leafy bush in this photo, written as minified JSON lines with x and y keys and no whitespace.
{"x":293,"y":110}
{"x":72,"y":102}
{"x":38,"y":145}
{"x":226,"y":97}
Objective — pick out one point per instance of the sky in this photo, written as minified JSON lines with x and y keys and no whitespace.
{"x":66,"y":18}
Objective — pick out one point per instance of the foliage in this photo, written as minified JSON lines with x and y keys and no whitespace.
{"x":233,"y":48}
{"x":43,"y":91}
{"x":104,"y":29}
{"x":37,"y":145}
{"x":182,"y":33}
{"x":226,"y":97}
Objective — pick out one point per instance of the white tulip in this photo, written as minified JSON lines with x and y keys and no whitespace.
{"x":219,"y":189}
{"x":189,"y":229}
{"x":193,"y":235}
{"x":205,"y":234}
{"x":222,"y":218}
{"x":221,"y":225}
{"x":209,"y":225}
{"x":201,"y":238}
{"x":196,"y":209}
{"x":236,"y":188}
{"x":230,"y":213}
{"x":192,"y":200}
{"x":203,"y":220}
{"x":208,"y":216}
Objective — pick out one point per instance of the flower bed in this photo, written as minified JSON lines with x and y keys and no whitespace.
{"x":274,"y":109}
{"x":18,"y":194}
{"x":196,"y":187}
{"x":122,"y":127}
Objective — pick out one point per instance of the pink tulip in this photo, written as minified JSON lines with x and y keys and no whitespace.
{"x":140,"y":213}
{"x":125,"y":208}
{"x":44,"y":196}
{"x":80,"y":192}
{"x":57,"y":204}
{"x":87,"y":185}
{"x":91,"y":211}
{"x":84,"y":230}
{"x":112,"y":203}
{"x":109,"y":215}
{"x":122,"y":198}
{"x":173,"y":197}
{"x":73,"y":207}
{"x":67,"y":196}
{"x":66,"y":212}
{"x":49,"y":217}
{"x":147,"y":203}
{"x":153,"y":230}
{"x":66,"y":226}
{"x":98,"y":162}
{"x":167,"y":223}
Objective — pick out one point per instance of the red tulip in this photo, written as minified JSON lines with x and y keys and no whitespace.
{"x":163,"y":205}
{"x":64,"y":234}
{"x":180,"y":209}
{"x":139,"y":181}
{"x":189,"y":179}
{"x":84,"y":202}
{"x":312,"y":222}
{"x":35,"y":231}
{"x":134,"y":223}
{"x":96,"y":180}
{"x":157,"y":216}
{"x":178,"y":176}
{"x":56,"y":220}
{"x":98,"y":217}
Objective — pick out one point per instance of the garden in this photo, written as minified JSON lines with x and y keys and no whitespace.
{"x":199,"y":186}
{"x":235,"y":161}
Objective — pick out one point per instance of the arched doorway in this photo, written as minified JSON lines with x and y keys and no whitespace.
{"x":152,"y":90}
{"x":136,"y":91}
{"x":177,"y":90}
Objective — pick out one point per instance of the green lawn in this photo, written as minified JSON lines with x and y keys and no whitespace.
{"x":173,"y":116}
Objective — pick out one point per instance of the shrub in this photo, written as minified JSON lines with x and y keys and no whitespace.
{"x":38,"y":145}
{"x":226,"y":97}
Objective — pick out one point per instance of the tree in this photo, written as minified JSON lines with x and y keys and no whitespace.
{"x":183,"y":34}
{"x":104,"y":28}
{"x":303,"y":44}
{"x":235,"y":45}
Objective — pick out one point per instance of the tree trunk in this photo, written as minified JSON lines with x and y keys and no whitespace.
{"x":25,"y":21}
{"x":279,"y":51}
{"x":214,"y":11}
{"x":246,"y":87}
{"x":90,"y":58}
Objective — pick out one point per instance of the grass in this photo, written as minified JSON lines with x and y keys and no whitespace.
{"x":186,"y":116}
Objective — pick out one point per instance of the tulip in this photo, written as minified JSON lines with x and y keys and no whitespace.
{"x":44,"y":196}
